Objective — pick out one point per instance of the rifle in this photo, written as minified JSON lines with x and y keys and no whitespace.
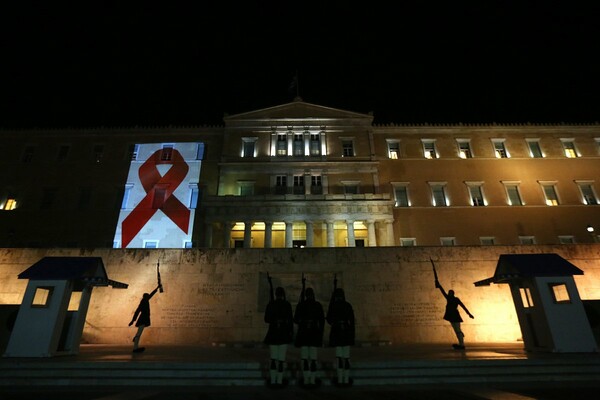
{"x":160,"y":287}
{"x":434,"y":272}
{"x":271,"y":287}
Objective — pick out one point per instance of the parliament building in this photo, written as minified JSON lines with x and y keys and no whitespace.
{"x":300,"y":175}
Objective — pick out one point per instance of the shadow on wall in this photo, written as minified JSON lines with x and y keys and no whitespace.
{"x":8,"y":316}
{"x":592,"y":310}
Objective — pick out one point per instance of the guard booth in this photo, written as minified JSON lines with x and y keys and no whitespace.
{"x":52,"y":314}
{"x":550,"y":312}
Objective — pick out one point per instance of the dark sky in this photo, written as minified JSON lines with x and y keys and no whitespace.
{"x":113,"y":64}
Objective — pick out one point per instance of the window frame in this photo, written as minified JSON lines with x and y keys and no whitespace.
{"x":461,"y":152}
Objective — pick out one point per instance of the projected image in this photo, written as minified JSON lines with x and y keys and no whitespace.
{"x":160,"y":196}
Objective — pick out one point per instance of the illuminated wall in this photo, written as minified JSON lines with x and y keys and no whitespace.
{"x":160,"y":196}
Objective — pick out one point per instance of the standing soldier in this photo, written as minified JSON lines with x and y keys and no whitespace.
{"x":311,"y":322}
{"x":278,"y":315}
{"x":142,"y":315}
{"x":340,"y":316}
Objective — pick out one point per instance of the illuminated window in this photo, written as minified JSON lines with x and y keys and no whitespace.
{"x":429,"y":150}
{"x":526,"y":297}
{"x":281,"y":184}
{"x":560,"y":293}
{"x":408,"y":242}
{"x":74,"y":301}
{"x":315,"y":144}
{"x":316,"y":184}
{"x":167,"y":152}
{"x":9,"y":204}
{"x":298,"y":145}
{"x":487,"y":240}
{"x":159,"y":195}
{"x":187,"y":244}
{"x":534,"y":148}
{"x":550,"y":193}
{"x":28,"y":153}
{"x":476,"y":194}
{"x":282,"y":144}
{"x":98,"y":153}
{"x":126,"y":195}
{"x":448,"y":241}
{"x":393,"y":149}
{"x":249,"y":147}
{"x":513,"y":194}
{"x":527,"y":239}
{"x":246,"y":188}
{"x":587,"y":192}
{"x":299,"y":184}
{"x":464,"y":148}
{"x":401,"y":194}
{"x":132,"y":152}
{"x":42,"y":296}
{"x":597,"y":144}
{"x":438,"y":192}
{"x":566,"y":239}
{"x":150,"y":244}
{"x":200,"y":151}
{"x":347,"y":148}
{"x":194,"y":192}
{"x":63,"y":153}
{"x":500,"y":148}
{"x":569,"y":147}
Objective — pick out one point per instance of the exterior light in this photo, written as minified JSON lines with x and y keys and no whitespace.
{"x":590,"y":229}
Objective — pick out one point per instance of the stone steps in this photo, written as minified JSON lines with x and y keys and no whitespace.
{"x":49,"y":373}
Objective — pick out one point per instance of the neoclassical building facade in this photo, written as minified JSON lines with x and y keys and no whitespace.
{"x":305,"y":175}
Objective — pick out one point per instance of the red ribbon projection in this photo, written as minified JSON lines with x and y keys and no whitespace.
{"x":159,"y":195}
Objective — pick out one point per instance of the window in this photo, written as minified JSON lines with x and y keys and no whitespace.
{"x":9,"y":204}
{"x":393,"y":149}
{"x":587,"y":193}
{"x":408,"y":242}
{"x":315,"y":144}
{"x":534,"y":148}
{"x":151,"y":244}
{"x":448,"y":241}
{"x":42,"y":296}
{"x":550,"y":193}
{"x":316,"y":185}
{"x":200,"y":151}
{"x":464,"y":148}
{"x":132,"y":152}
{"x":500,"y":149}
{"x":194,"y":192}
{"x":513,"y":194}
{"x":347,"y":148}
{"x":187,"y":244}
{"x":246,"y":188}
{"x":159,"y":195}
{"x":282,"y":144}
{"x":401,"y":195}
{"x":28,"y":153}
{"x":126,"y":195}
{"x":439,"y":194}
{"x":98,"y":153}
{"x":299,"y":243}
{"x":566,"y":239}
{"x":560,"y":293}
{"x":429,"y":148}
{"x":299,"y":184}
{"x":487,"y":240}
{"x":280,"y":184}
{"x":569,"y":148}
{"x":526,"y":297}
{"x":167,"y":152}
{"x":350,"y":187}
{"x":74,"y":301}
{"x":298,"y":145}
{"x":48,"y":197}
{"x":63,"y":152}
{"x":249,"y":147}
{"x":85,"y":195}
{"x":527,"y":239}
{"x":597,"y":144}
{"x":476,"y":194}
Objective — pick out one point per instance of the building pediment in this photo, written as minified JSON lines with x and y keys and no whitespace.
{"x":298,"y":112}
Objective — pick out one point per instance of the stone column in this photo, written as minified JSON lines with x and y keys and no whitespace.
{"x":330,"y":234}
{"x":371,"y":233}
{"x":310,"y":237}
{"x":391,"y":241}
{"x":268,"y":235}
{"x":208,"y":232}
{"x":350,"y":232}
{"x":248,"y":234}
{"x":289,"y":232}
{"x":227,"y":226}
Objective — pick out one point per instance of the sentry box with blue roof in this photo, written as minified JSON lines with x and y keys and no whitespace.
{"x":53,"y":311}
{"x":550,"y":312}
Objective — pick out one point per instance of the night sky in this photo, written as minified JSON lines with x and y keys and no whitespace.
{"x":113,"y":64}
